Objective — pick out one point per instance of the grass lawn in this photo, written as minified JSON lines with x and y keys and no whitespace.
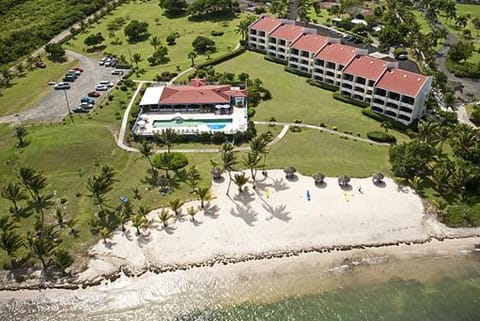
{"x":68,"y":155}
{"x":161,"y":27}
{"x":293,"y":98}
{"x":25,"y":92}
{"x":313,"y":151}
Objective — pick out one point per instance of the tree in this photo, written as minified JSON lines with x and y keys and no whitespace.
{"x":123,"y":215}
{"x":7,"y":77}
{"x":427,"y":132}
{"x":62,"y":259}
{"x":203,"y":194}
{"x":466,"y":143}
{"x":193,"y":178}
{"x":167,"y":137}
{"x":105,"y":233}
{"x":279,"y":8}
{"x":229,"y":161}
{"x":94,"y":40}
{"x":164,"y":216}
{"x":211,"y":7}
{"x":171,"y":39}
{"x":41,"y":248}
{"x":411,"y":159}
{"x":303,"y":9}
{"x":461,"y":21}
{"x":386,"y":125}
{"x":100,"y":185}
{"x":461,"y":174}
{"x":55,"y":51}
{"x":202,"y":44}
{"x":139,"y":221}
{"x":242,"y":27}
{"x":155,"y":42}
{"x":174,"y":8}
{"x":461,"y":51}
{"x":191,"y":212}
{"x":175,"y":205}
{"x":240,"y":180}
{"x":252,"y":162}
{"x":20,"y":68}
{"x":160,"y":56}
{"x":192,"y":55}
{"x":137,"y":58}
{"x":146,"y":149}
{"x":10,"y":241}
{"x":136,"y":30}
{"x":20,"y":132}
{"x":14,"y":193}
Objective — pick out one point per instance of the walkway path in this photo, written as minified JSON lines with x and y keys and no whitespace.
{"x":123,"y":128}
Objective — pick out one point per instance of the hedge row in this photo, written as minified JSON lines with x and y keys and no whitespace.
{"x":222,"y":58}
{"x":348,"y":100}
{"x":276,"y":60}
{"x":462,"y":215}
{"x":465,"y":70}
{"x":381,"y":137}
{"x":297,"y":72}
{"x":396,"y":125}
{"x":322,"y":85}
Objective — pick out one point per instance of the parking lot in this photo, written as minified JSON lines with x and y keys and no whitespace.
{"x":53,"y":106}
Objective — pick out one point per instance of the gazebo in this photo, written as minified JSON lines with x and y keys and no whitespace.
{"x":318,"y":178}
{"x":343,"y":181}
{"x":377,"y":178}
{"x":216,"y":173}
{"x":289,"y":172}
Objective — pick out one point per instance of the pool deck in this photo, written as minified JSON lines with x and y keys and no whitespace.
{"x":144,"y":124}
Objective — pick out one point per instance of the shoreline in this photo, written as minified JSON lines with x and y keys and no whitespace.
{"x":275,"y":220}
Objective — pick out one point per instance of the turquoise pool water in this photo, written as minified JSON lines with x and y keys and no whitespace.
{"x":213,"y":124}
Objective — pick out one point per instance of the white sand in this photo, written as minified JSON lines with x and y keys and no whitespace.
{"x":277,"y":216}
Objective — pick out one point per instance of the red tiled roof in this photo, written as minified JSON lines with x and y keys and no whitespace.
{"x":266,"y":24}
{"x":287,"y":32}
{"x":208,"y":94}
{"x":337,"y":53}
{"x":402,"y":81}
{"x":309,"y":42}
{"x":366,"y":67}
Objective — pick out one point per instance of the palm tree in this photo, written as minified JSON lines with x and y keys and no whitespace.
{"x":191,"y":212}
{"x":163,"y":161}
{"x":289,"y":171}
{"x":139,"y":221}
{"x":71,"y":225}
{"x":164,"y":216}
{"x":442,"y":135}
{"x":441,"y":176}
{"x":229,"y":161}
{"x":59,"y":215}
{"x":461,"y":174}
{"x":203,"y":194}
{"x":10,"y":242}
{"x":62,"y":259}
{"x":427,"y":132}
{"x":146,"y":150}
{"x":242,"y":27}
{"x":176,"y":205}
{"x":386,"y":125}
{"x":26,"y":175}
{"x":192,"y":55}
{"x":462,"y":21}
{"x":252,"y":161}
{"x":41,"y":203}
{"x":240,"y":180}
{"x":318,"y":178}
{"x":465,"y":141}
{"x":123,"y":216}
{"x":40,"y":248}
{"x":98,"y":186}
{"x":155,"y":42}
{"x":137,"y":58}
{"x":193,"y":178}
{"x":14,"y":193}
{"x":167,"y":137}
{"x":142,"y":210}
{"x":105,"y":233}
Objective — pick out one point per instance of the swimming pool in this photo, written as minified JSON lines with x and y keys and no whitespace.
{"x":213,"y":124}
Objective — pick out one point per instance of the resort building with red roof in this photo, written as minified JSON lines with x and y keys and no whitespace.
{"x":390,"y":91}
{"x":192,"y":109}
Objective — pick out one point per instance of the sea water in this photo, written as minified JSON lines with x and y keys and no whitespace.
{"x":438,"y":287}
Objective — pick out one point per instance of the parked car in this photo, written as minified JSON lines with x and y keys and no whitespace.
{"x":62,"y":85}
{"x":74,"y":73}
{"x":107,"y":83}
{"x":101,"y":87}
{"x":86,"y":105}
{"x":69,"y":78}
{"x":117,"y":72}
{"x":52,"y":83}
{"x":78,"y":69}
{"x":402,"y":57}
{"x":93,"y":94}
{"x":40,"y":64}
{"x":87,"y":100}
{"x":114,"y":62}
{"x":80,"y":109}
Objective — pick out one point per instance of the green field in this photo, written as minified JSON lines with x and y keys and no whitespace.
{"x":25,"y":92}
{"x":161,"y":27}
{"x":293,"y":98}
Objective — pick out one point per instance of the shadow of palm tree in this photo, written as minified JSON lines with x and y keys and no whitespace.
{"x":169,"y":229}
{"x":247,"y":214}
{"x":380,"y":184}
{"x":196,"y":222}
{"x":211,"y":211}
{"x":109,"y":244}
{"x":346,"y":187}
{"x":143,"y":239}
{"x":244,"y":197}
{"x":128,"y":234}
{"x":321,"y":185}
{"x":278,"y":212}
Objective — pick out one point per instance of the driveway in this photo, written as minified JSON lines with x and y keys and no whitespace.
{"x":53,"y":106}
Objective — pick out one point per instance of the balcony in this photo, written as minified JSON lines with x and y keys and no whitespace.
{"x":346,"y":85}
{"x":304,"y":62}
{"x":360,"y":90}
{"x":294,"y":51}
{"x":360,"y":80}
{"x":318,"y":71}
{"x":407,"y":100}
{"x":380,"y":92}
{"x":317,"y":78}
{"x":392,"y":105}
{"x":330,"y":74}
{"x":319,"y":62}
{"x":377,"y":109}
{"x":305,"y":54}
{"x":378,"y":101}
{"x":371,"y":83}
{"x":293,"y":59}
{"x":405,"y":118}
{"x":347,"y":77}
{"x":358,"y":97}
{"x":393,"y":95}
{"x":330,"y":65}
{"x":390,"y":113}
{"x":406,"y":110}
{"x":345,"y":93}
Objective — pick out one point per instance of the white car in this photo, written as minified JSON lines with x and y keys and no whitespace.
{"x":117,"y":72}
{"x":101,"y":87}
{"x":106,"y":83}
{"x":52,"y":83}
{"x":86,"y":105}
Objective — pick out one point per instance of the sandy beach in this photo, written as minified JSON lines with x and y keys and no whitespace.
{"x":276,"y":216}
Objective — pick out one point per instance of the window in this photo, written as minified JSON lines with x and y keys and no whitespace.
{"x":380,"y":92}
{"x":371,"y":83}
{"x":330,"y":73}
{"x":369,"y":92}
{"x":345,"y":93}
{"x":293,"y":59}
{"x":318,"y":78}
{"x":348,"y":86}
{"x":392,"y":105}
{"x":271,"y":40}
{"x":282,"y":42}
{"x":393,"y":95}
{"x":319,"y":62}
{"x":377,"y":110}
{"x":305,"y":62}
{"x":390,"y":113}
{"x":357,"y":97}
{"x":403,"y":117}
{"x":408,"y":100}
{"x":347,"y":77}
{"x":330,"y":65}
{"x":358,"y":89}
{"x":305,"y":54}
{"x":406,"y":110}
{"x":360,"y":80}
{"x":378,"y":101}
{"x":340,"y":67}
{"x":294,"y":51}
{"x":320,"y":71}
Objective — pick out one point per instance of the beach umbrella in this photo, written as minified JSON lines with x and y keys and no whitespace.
{"x":289,"y":171}
{"x":343,"y":180}
{"x":318,"y":178}
{"x":216,"y":173}
{"x":377,"y":177}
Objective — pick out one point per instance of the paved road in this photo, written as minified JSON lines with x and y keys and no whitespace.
{"x":53,"y":106}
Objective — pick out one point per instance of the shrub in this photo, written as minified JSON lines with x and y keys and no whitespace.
{"x":323,"y":125}
{"x":462,"y":215}
{"x":475,"y":116}
{"x":297,"y":121}
{"x":123,"y":88}
{"x":380,"y":118}
{"x":272,"y":119}
{"x":250,"y":112}
{"x":295,"y":129}
{"x":216,"y":33}
{"x":348,"y":100}
{"x":219,"y":138}
{"x":276,"y":60}
{"x":322,"y":85}
{"x":297,"y":72}
{"x":399,"y":51}
{"x":382,"y":137}
{"x":465,"y":70}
